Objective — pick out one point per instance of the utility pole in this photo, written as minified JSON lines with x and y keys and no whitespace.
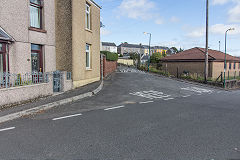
{"x":219,"y":46}
{"x":206,"y":55}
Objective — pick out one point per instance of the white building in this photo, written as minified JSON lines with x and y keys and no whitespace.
{"x":111,"y":47}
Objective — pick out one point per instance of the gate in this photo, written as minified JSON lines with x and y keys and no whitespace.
{"x":57,"y":81}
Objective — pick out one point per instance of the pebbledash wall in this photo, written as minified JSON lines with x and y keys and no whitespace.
{"x":72,"y":36}
{"x":15,"y":21}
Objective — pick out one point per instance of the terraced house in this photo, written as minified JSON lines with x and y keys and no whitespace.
{"x":78,"y":39}
{"x":40,"y":37}
{"x":27,"y":49}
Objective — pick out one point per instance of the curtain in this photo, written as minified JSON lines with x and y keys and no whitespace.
{"x":35,"y":17}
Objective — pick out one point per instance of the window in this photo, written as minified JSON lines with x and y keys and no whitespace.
{"x":230,"y":65}
{"x":234,"y":65}
{"x":239,"y":65}
{"x":88,"y":16}
{"x":36,"y":7}
{"x":36,"y":58}
{"x":88,"y":56}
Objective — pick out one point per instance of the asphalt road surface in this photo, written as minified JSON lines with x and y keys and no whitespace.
{"x":137,"y":116}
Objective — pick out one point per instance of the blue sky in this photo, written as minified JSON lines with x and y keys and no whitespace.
{"x":172,"y":22}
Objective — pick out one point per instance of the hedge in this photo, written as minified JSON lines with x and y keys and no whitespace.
{"x":110,"y":56}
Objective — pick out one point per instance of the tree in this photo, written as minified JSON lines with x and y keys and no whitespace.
{"x":175,"y":49}
{"x":156,"y":57}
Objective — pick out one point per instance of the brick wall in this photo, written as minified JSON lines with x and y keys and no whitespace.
{"x":108,"y":67}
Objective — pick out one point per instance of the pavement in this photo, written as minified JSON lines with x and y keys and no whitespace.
{"x":136,"y":116}
{"x":40,"y":104}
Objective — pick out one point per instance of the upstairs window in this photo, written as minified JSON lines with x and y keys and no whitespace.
{"x":239,"y":65}
{"x":88,"y":17}
{"x":36,"y":7}
{"x":234,"y":65}
{"x":230,"y":65}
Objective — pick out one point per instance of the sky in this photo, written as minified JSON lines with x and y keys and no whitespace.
{"x":178,"y":23}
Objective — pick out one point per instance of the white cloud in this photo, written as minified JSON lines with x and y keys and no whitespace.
{"x":220,"y":2}
{"x":217,"y":29}
{"x":234,"y":14}
{"x":174,"y":19}
{"x":105,"y":32}
{"x":137,"y":9}
{"x":159,"y":21}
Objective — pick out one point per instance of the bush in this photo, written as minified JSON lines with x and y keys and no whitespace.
{"x":110,"y":56}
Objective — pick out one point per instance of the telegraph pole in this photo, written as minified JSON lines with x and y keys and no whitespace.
{"x":206,"y":55}
{"x":219,"y":46}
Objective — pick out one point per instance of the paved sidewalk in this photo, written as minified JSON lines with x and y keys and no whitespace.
{"x":50,"y":99}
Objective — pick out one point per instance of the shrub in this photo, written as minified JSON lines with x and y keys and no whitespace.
{"x":110,"y":56}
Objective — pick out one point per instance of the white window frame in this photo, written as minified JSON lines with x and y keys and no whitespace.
{"x":89,"y":59}
{"x":88,"y":18}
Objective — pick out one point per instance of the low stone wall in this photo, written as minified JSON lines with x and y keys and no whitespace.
{"x":23,"y":93}
{"x":232,"y":84}
{"x":108,"y":67}
{"x":128,"y":62}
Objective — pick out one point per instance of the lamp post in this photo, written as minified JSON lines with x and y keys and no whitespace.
{"x":225,"y":60}
{"x":150,"y":37}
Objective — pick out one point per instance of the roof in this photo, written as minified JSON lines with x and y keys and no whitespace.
{"x":145,"y":57}
{"x":4,"y":35}
{"x":96,"y":4}
{"x":130,"y":45}
{"x":108,"y":44}
{"x":160,"y":47}
{"x":198,"y":54}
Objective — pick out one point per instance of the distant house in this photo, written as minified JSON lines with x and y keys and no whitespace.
{"x":193,"y":61}
{"x":160,"y":49}
{"x":144,"y":59}
{"x":126,"y":48}
{"x":107,"y":46}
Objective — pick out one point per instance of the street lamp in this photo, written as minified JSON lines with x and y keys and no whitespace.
{"x":150,"y":37}
{"x":225,"y":60}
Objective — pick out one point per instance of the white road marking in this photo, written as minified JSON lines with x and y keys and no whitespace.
{"x":75,"y":115}
{"x":197,"y":90}
{"x":113,"y":108}
{"x":168,"y":99}
{"x":146,"y":102}
{"x":186,"y":96}
{"x":6,"y":129}
{"x":151,"y":94}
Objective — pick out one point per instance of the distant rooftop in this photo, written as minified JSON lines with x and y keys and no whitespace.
{"x":130,"y":45}
{"x":108,"y":44}
{"x":196,"y":54}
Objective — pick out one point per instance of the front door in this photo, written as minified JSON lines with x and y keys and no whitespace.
{"x":4,"y":67}
{"x":36,"y":57}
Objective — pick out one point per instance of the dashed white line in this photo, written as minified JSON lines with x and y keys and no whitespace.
{"x":168,"y":99}
{"x":6,"y":129}
{"x":75,"y":115}
{"x":113,"y":108}
{"x":146,"y":102}
{"x":186,"y":96}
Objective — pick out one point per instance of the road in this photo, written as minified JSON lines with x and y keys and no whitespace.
{"x":137,"y":116}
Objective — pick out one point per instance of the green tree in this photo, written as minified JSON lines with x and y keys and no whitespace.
{"x":156,"y":57}
{"x":175,"y":49}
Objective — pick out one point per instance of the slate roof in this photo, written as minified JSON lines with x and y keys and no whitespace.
{"x":198,"y":54}
{"x":130,"y":45}
{"x":160,"y":47}
{"x":4,"y":35}
{"x":108,"y":44}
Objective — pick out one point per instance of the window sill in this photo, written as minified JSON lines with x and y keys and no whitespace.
{"x":88,"y":30}
{"x":88,"y":69}
{"x":37,"y":30}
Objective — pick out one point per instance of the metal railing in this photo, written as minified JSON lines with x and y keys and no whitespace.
{"x":8,"y":80}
